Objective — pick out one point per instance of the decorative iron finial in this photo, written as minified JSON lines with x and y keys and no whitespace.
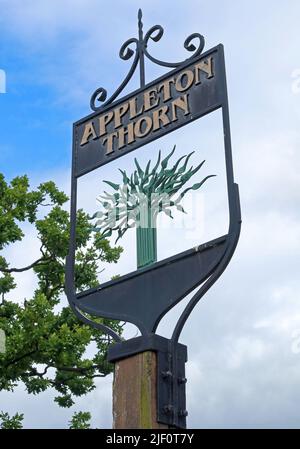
{"x":141,"y":49}
{"x":140,"y":15}
{"x":155,"y":33}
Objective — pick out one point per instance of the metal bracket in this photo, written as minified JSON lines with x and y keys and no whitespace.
{"x":171,"y":380}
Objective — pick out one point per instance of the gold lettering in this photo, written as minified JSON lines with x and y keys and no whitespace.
{"x":104,"y":121}
{"x":181,"y":103}
{"x":166,"y":89}
{"x":129,"y":132}
{"x":160,"y":115}
{"x":133,"y":108}
{"x":139,"y":124}
{"x":89,"y":131}
{"x":150,"y":99}
{"x":189,"y":76}
{"x":205,"y":66}
{"x":119,"y":113}
{"x":109,"y":139}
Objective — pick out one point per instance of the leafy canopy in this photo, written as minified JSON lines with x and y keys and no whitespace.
{"x":80,"y":420}
{"x":13,"y":422}
{"x":46,"y":345}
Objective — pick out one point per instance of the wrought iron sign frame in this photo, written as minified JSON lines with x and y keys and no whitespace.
{"x":138,"y":297}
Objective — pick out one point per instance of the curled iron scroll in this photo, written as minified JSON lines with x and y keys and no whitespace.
{"x":155,"y":33}
{"x":100,"y":95}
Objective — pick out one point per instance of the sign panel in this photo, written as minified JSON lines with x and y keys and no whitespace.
{"x":194,"y":88}
{"x":174,"y":100}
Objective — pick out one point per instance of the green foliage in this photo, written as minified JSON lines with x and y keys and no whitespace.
{"x":14,"y":422}
{"x":80,"y":420}
{"x":149,"y":190}
{"x":45,"y":343}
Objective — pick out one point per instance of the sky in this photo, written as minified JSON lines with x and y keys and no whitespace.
{"x":243,"y":338}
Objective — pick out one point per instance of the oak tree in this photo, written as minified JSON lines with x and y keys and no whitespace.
{"x":46,"y":346}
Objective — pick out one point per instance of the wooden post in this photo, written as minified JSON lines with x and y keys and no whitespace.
{"x":134,"y":393}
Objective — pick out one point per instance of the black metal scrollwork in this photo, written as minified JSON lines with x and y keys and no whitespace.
{"x":155,"y":33}
{"x":187,"y":45}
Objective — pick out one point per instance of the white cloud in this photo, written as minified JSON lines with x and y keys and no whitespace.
{"x":269,"y":171}
{"x":244,"y":350}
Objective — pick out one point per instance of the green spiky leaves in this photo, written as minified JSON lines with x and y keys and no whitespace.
{"x":145,"y":191}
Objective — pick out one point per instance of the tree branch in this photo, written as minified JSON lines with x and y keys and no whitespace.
{"x":80,"y":370}
{"x":18,"y":359}
{"x":40,"y":261}
{"x":51,"y":291}
{"x":97,"y":375}
{"x":33,"y":372}
{"x":70,"y":369}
